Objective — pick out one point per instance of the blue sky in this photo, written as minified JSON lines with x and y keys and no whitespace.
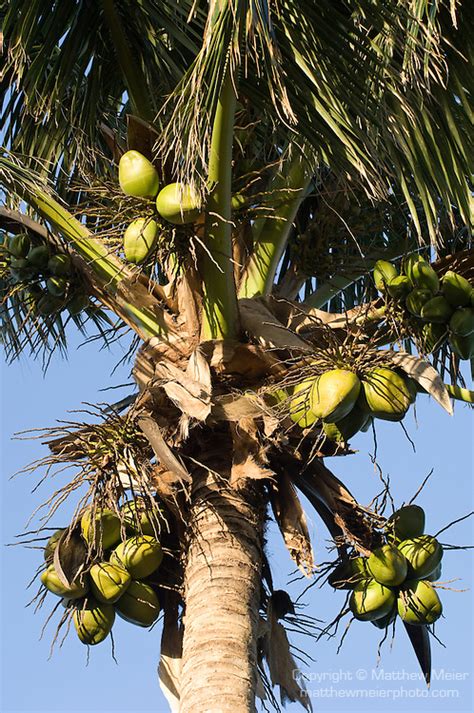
{"x":31,"y":682}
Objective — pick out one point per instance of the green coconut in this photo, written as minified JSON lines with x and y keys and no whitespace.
{"x":433,"y":336}
{"x":78,"y":303}
{"x":109,"y":581}
{"x":399,"y":287}
{"x":384,"y":272}
{"x":51,"y":581}
{"x":385,"y":621}
{"x":48,"y":304}
{"x":300,"y":409}
{"x":424,"y":553}
{"x":408,"y":264}
{"x":424,"y":277}
{"x":19,"y":245}
{"x":51,"y":545}
{"x":406,"y":522}
{"x":279,"y":396}
{"x":418,"y":603}
{"x":343,"y":430}
{"x":456,"y":289}
{"x":416,"y":300}
{"x":435,"y":575}
{"x":56,"y":286}
{"x":437,"y":310}
{"x":462,"y":346}
{"x":388,"y":566}
{"x":349,"y":573}
{"x":386,"y":394}
{"x":462,"y":322}
{"x":334,"y":394}
{"x":100,"y":527}
{"x":137,"y":175}
{"x":140,"y":555}
{"x":140,"y":518}
{"x":38,"y":256}
{"x":21,"y":270}
{"x":60,"y":265}
{"x":178,"y":203}
{"x":140,"y":240}
{"x":93,"y":621}
{"x":371,"y":600}
{"x":139,"y":605}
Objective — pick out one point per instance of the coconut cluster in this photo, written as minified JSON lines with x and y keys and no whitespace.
{"x":118,"y":581}
{"x":444,"y":308}
{"x":46,"y":274}
{"x":176,"y":203}
{"x":396,"y":579}
{"x":345,"y":401}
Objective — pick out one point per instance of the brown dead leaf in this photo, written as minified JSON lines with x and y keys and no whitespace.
{"x":169,"y":669}
{"x":259,"y":321}
{"x":141,"y":135}
{"x":282,"y":665}
{"x":232,"y":407}
{"x":291,"y":520}
{"x":70,"y":556}
{"x":162,"y":451}
{"x":248,"y":456}
{"x":191,"y":396}
{"x":247,"y":360}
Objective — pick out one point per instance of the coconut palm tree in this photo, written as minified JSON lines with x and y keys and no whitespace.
{"x":312,"y":141}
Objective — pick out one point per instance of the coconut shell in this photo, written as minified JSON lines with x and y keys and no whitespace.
{"x":437,"y":310}
{"x":424,"y":277}
{"x":51,"y":581}
{"x":93,"y":621}
{"x":137,"y":175}
{"x":406,"y":522}
{"x":349,"y":573}
{"x":456,"y":289}
{"x":416,"y":300}
{"x":178,"y":204}
{"x":388,"y":566}
{"x":108,"y":581}
{"x":140,"y":555}
{"x":300,"y":409}
{"x":418,"y":603}
{"x":139,"y":240}
{"x":334,"y":394}
{"x":385,"y":394}
{"x":371,"y":600}
{"x":462,"y":346}
{"x":139,"y":605}
{"x":423,"y":553}
{"x":347,"y":427}
{"x":462,"y":322}
{"x":102,"y":530}
{"x":384,"y":272}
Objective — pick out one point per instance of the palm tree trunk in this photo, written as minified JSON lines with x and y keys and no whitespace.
{"x":222,"y":596}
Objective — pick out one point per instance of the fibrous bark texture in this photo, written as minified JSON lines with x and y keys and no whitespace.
{"x":222,"y":595}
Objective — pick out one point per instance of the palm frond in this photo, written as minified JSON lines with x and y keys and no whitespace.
{"x":62,"y":78}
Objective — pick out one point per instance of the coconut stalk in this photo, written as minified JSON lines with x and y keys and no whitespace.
{"x":220,"y":312}
{"x":290,"y":187}
{"x":222,"y":596}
